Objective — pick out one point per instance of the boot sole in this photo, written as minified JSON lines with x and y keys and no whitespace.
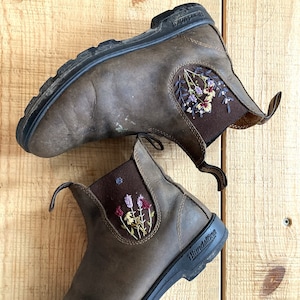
{"x":163,"y":27}
{"x":193,"y":259}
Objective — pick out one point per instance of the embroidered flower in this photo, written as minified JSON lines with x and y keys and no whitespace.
{"x":226,"y":101}
{"x":128,"y":201}
{"x":196,"y":89}
{"x":139,"y":201}
{"x":129,"y":218}
{"x":134,"y":221}
{"x":146,"y":204}
{"x":210,"y":91}
{"x":192,"y":98}
{"x":205,"y":106}
{"x":119,"y":180}
{"x":210,"y":83}
{"x":119,"y":212}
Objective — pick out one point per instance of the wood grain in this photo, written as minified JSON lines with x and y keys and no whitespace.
{"x":39,"y":252}
{"x":262,"y":258}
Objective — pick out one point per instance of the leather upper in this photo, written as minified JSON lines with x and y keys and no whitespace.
{"x":119,"y":268}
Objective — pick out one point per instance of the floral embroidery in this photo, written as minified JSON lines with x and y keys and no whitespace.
{"x":197,"y":87}
{"x":134,"y":221}
{"x":119,"y":180}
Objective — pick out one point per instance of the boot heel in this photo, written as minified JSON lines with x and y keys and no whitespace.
{"x":192,"y":261}
{"x":204,"y":248}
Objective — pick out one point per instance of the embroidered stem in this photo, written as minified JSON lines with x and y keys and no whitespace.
{"x":125,"y":227}
{"x":150,"y":219}
{"x":136,"y":222}
{"x":143,"y":229}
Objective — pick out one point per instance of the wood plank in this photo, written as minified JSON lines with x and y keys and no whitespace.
{"x":262,"y":258}
{"x":40,"y":251}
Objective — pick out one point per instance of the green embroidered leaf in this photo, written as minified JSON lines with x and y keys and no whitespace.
{"x":122,"y":226}
{"x":152,"y":214}
{"x":143,"y":230}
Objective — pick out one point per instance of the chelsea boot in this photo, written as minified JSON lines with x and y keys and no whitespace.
{"x":175,"y":80}
{"x":145,"y":232}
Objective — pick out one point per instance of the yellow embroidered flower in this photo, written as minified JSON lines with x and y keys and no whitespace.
{"x":129,"y":218}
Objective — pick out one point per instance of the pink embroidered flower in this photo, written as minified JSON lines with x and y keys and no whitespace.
{"x":128,"y":201}
{"x":205,"y":106}
{"x":142,"y":202}
{"x":146,"y":204}
{"x":210,"y":91}
{"x":119,"y":212}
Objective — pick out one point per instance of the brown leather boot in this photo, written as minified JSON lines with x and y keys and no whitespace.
{"x":145,"y":232}
{"x":175,"y":80}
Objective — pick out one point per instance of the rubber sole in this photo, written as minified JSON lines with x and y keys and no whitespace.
{"x":192,"y":261}
{"x":163,"y":27}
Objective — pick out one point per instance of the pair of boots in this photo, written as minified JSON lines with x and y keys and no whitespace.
{"x":175,"y":80}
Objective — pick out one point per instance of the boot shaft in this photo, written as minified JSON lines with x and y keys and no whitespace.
{"x":139,"y":224}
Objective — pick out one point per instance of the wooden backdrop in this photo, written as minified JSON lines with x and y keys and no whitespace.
{"x":39,"y":251}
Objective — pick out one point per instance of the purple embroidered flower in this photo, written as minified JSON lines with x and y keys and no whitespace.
{"x":139,"y":201}
{"x":143,"y":203}
{"x":198,"y":90}
{"x":119,"y":212}
{"x":210,"y":83}
{"x":128,"y":201}
{"x":192,"y":98}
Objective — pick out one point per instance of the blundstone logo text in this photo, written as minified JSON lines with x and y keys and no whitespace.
{"x":187,"y":18}
{"x":204,"y":244}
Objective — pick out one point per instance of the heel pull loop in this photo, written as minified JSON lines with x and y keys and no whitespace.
{"x":61,"y":187}
{"x":272,"y":108}
{"x":217,"y":172}
{"x":155,"y":142}
{"x":251,"y":118}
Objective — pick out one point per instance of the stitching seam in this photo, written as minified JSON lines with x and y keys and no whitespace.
{"x":201,"y":44}
{"x":179,"y":221}
{"x":104,"y":218}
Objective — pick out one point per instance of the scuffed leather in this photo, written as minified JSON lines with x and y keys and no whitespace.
{"x":116,"y":268}
{"x":130,"y":94}
{"x":133,"y":93}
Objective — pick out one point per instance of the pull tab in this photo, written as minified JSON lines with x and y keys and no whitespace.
{"x":217,"y":172}
{"x":272,"y":108}
{"x":155,"y":142}
{"x":61,"y":187}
